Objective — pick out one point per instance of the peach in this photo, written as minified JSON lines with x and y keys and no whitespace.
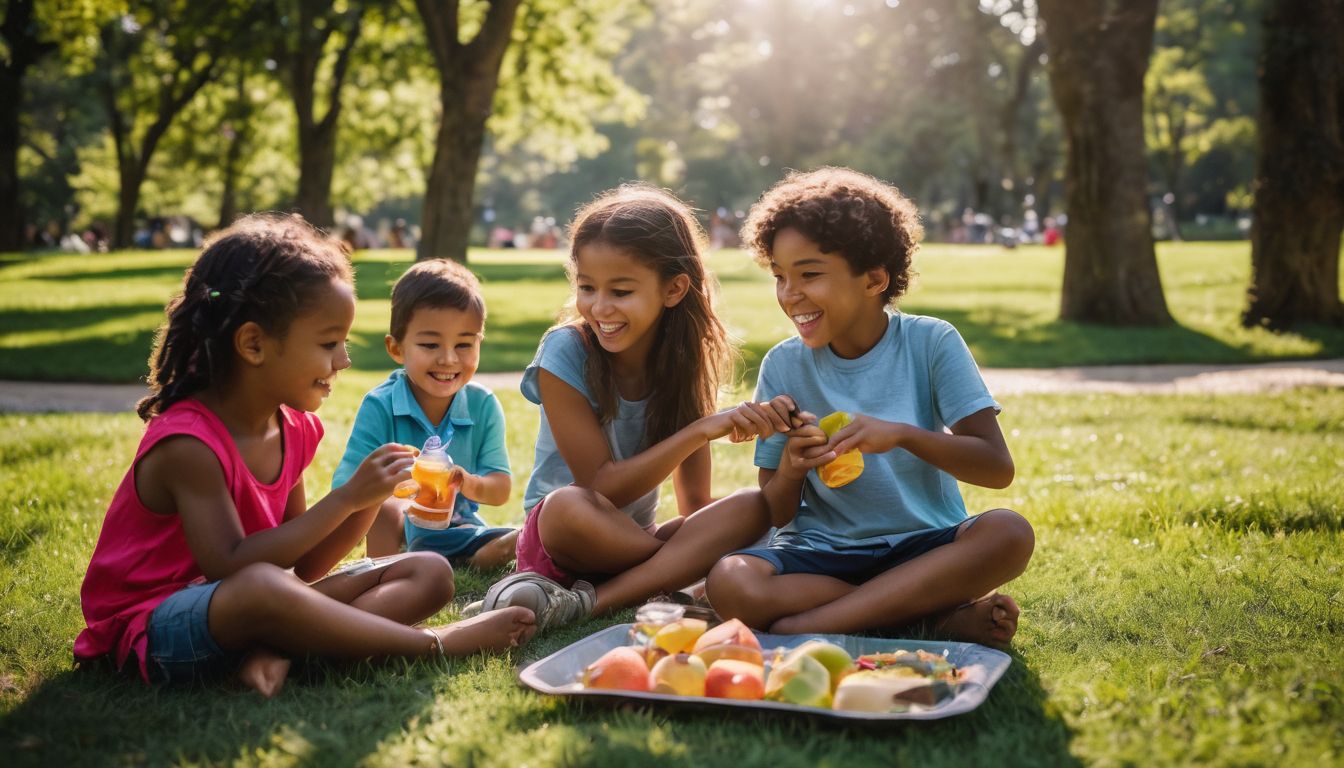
{"x":680,"y":675}
{"x":746,"y":653}
{"x":620,"y":669}
{"x":731,"y":631}
{"x":680,"y":635}
{"x":733,"y":679}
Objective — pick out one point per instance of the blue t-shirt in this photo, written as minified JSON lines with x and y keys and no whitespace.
{"x":473,"y":430}
{"x":562,"y":352}
{"x":920,"y":373}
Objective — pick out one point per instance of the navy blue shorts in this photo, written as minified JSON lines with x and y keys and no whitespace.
{"x":457,"y":543}
{"x":855,"y":566}
{"x":181,"y":648}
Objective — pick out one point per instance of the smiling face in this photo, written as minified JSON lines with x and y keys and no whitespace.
{"x":827,"y":302}
{"x":440,"y":350}
{"x":621,"y":299}
{"x":303,"y":363}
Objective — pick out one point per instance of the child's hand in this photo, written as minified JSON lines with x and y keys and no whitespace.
{"x":377,"y":475}
{"x":867,"y":435}
{"x":751,"y":420}
{"x":806,"y":450}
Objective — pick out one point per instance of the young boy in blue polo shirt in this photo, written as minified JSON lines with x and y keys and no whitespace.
{"x":894,"y":545}
{"x":438,"y":316}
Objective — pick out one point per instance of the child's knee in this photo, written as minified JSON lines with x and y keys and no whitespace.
{"x":1013,"y":532}
{"x":258,"y":590}
{"x":433,"y":575}
{"x":731,"y":582}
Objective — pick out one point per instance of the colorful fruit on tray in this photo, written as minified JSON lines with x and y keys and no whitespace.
{"x":687,"y":658}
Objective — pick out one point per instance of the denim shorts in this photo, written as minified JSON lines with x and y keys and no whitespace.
{"x":855,"y":566}
{"x":180,"y":646}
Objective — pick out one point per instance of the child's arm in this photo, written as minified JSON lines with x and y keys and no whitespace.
{"x":805,"y":450}
{"x":183,"y":476}
{"x":491,"y":489}
{"x":691,"y":481}
{"x":579,"y":437}
{"x":974,"y":453}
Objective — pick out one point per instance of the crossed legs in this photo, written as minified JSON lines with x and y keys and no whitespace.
{"x":270,"y":613}
{"x":953,"y":585}
{"x":583,"y":532}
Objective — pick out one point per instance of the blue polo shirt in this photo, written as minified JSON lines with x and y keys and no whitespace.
{"x":473,"y":430}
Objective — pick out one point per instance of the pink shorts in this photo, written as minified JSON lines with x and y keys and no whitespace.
{"x":533,"y":557}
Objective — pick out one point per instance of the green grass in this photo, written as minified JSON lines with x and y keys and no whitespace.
{"x":92,"y":317}
{"x":1183,"y":606}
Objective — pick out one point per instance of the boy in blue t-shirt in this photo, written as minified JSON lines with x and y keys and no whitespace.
{"x":438,"y":316}
{"x":895,"y":545}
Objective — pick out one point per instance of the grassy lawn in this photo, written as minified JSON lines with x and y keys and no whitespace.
{"x":92,"y":317}
{"x":1184,"y":606}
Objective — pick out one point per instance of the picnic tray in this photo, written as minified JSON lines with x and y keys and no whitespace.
{"x":558,"y":674}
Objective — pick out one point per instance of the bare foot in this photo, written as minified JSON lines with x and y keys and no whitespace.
{"x":264,"y":671}
{"x":991,"y":620}
{"x":497,"y":630}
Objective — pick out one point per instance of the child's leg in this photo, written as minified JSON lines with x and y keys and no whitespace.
{"x":730,"y":523}
{"x":496,"y":553}
{"x":748,"y":588}
{"x":268,"y":606}
{"x":583,"y":532}
{"x":386,"y":535}
{"x":989,"y":553}
{"x":406,"y":588}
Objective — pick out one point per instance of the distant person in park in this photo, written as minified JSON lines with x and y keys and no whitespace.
{"x":438,"y":318}
{"x":894,"y":545}
{"x":627,"y":389}
{"x":210,"y":559}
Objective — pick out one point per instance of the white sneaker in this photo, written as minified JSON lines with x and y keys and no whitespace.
{"x":553,"y":605}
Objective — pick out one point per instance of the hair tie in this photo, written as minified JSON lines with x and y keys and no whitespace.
{"x":211,"y":293}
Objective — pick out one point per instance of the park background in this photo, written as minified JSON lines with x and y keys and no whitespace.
{"x":1184,"y":602}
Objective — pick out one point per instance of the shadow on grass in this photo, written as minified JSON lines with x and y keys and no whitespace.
{"x":375,"y":278}
{"x":107,"y":357}
{"x":1001,"y":337}
{"x":327,"y":715}
{"x":172,"y":273}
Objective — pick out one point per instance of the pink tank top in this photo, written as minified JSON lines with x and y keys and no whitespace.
{"x":142,"y":557}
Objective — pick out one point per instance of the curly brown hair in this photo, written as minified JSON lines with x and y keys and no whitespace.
{"x":864,"y":219}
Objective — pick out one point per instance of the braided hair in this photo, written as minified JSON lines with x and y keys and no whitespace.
{"x":265,"y":268}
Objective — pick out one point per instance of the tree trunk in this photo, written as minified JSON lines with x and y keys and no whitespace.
{"x":11,"y":211}
{"x":1098,"y":55}
{"x":1299,"y":186}
{"x":317,"y":136}
{"x":468,"y":76}
{"x":447,"y":214}
{"x":317,"y":162}
{"x":18,"y":31}
{"x":131,"y":174}
{"x":239,"y":126}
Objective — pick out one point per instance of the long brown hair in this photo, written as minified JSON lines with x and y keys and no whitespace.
{"x":691,"y":354}
{"x":264,"y":268}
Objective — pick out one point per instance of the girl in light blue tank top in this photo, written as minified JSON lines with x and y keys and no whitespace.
{"x":627,"y":389}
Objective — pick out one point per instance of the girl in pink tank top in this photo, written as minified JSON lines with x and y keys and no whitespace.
{"x":209,"y":557}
